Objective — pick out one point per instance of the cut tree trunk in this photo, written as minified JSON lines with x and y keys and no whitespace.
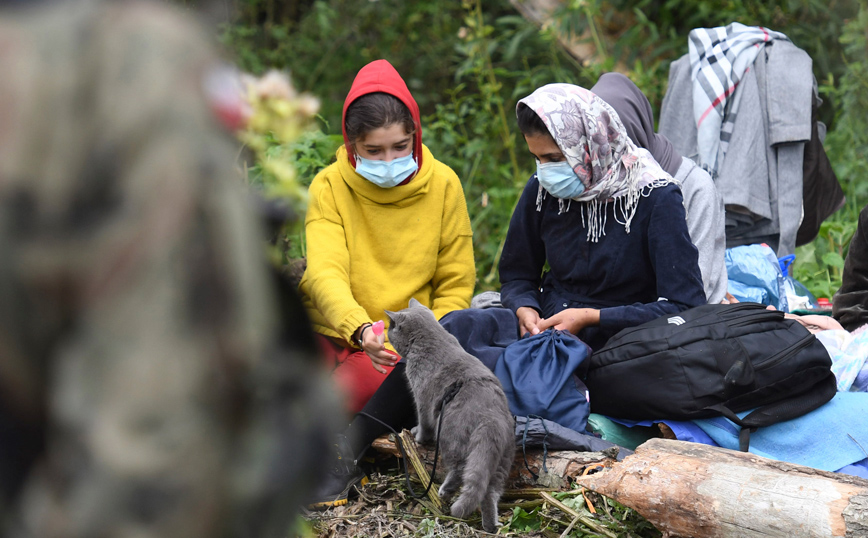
{"x":693,"y":490}
{"x":562,"y":466}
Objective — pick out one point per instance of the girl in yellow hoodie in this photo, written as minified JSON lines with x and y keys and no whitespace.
{"x":385,"y":223}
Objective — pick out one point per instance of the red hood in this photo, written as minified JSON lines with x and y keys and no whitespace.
{"x":380,"y":76}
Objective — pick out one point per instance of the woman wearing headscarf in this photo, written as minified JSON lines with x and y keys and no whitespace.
{"x":705,"y":213}
{"x":604,"y":217}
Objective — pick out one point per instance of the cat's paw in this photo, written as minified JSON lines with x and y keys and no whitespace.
{"x":461,"y":509}
{"x":419,"y":434}
{"x":446,"y":493}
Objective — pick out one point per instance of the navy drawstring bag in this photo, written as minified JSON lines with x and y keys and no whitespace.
{"x":538,"y":374}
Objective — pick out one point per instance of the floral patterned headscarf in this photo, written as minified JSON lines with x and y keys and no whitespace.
{"x":592,"y":138}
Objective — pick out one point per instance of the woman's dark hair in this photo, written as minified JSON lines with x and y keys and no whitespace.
{"x":374,"y":110}
{"x":529,"y":121}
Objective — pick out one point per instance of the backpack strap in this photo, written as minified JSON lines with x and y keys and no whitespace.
{"x":744,"y":432}
{"x":821,"y":392}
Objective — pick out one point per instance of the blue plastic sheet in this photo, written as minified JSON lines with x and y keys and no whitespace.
{"x":755,"y":275}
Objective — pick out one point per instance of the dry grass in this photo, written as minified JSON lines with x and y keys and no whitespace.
{"x":383,"y":508}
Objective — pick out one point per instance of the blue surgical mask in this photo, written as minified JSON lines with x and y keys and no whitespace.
{"x":386,"y":174}
{"x":559,"y":180}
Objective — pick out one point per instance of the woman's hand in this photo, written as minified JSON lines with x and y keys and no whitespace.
{"x":528,"y":320}
{"x":572,"y":319}
{"x":374,"y":346}
{"x":816,"y":323}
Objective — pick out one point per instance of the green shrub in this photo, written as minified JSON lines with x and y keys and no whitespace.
{"x":819,"y":264}
{"x":467,"y":63}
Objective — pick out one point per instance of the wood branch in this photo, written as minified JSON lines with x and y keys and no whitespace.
{"x":562,"y":466}
{"x":693,"y":490}
{"x":419,"y":466}
{"x":584,"y":520}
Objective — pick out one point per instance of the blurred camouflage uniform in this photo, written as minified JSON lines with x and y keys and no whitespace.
{"x":148,"y":384}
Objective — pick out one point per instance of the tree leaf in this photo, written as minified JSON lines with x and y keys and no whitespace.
{"x":834,"y":259}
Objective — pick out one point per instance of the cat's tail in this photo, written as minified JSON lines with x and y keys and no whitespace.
{"x":478,"y":469}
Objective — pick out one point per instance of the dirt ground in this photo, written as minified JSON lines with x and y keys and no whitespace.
{"x":385,"y":508}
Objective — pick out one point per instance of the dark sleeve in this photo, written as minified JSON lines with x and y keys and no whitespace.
{"x":850,"y":304}
{"x":524,"y":254}
{"x":675,"y":265}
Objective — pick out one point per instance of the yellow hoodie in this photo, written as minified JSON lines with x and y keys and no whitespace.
{"x":371,"y":249}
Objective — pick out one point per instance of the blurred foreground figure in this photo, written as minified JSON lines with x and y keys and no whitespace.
{"x":150,"y":383}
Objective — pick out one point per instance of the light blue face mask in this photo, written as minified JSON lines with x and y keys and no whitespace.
{"x":386,"y":174}
{"x":559,"y":180}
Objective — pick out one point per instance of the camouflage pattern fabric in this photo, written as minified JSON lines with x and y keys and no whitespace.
{"x":150,"y":384}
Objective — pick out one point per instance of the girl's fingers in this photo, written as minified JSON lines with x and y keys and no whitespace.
{"x":384,"y":358}
{"x":546,"y":323}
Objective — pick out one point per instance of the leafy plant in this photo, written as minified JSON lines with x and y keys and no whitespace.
{"x":819,"y":264}
{"x":467,"y":63}
{"x":501,"y":60}
{"x":522,"y":521}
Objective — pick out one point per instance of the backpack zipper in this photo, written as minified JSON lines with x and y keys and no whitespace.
{"x":765,"y":315}
{"x":785,"y":353}
{"x":625,"y":334}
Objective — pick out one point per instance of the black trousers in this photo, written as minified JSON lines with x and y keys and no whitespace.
{"x":392,"y":404}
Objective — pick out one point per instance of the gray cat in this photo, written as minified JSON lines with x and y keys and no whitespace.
{"x":477,"y":440}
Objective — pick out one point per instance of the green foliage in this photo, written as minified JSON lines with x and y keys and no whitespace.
{"x":308,"y":154}
{"x":330,"y":40}
{"x":427,"y":528}
{"x":467,"y":63}
{"x":300,"y":528}
{"x":313,"y":151}
{"x":522,"y":521}
{"x":630,"y":519}
{"x":819,"y":264}
{"x":641,"y":37}
{"x":474,"y":131}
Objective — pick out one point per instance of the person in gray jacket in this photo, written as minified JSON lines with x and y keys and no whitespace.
{"x":705,"y":213}
{"x":760,"y":177}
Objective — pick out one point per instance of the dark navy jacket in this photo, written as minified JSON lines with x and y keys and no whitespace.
{"x":631,"y":278}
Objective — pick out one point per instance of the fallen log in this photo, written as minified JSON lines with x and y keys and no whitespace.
{"x":691,"y":490}
{"x":561,"y":467}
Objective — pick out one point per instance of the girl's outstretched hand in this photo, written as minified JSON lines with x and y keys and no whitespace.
{"x":374,"y":345}
{"x":572,"y":319}
{"x":528,"y":320}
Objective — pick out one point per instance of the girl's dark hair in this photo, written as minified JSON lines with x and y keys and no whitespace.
{"x":529,"y":121}
{"x":374,"y":110}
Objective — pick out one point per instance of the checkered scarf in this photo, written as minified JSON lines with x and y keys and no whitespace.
{"x":719,"y":59}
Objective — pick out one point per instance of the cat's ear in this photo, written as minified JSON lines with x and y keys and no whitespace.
{"x":414,"y":302}
{"x":391,"y":316}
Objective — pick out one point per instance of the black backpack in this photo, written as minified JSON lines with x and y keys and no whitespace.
{"x":713,"y":360}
